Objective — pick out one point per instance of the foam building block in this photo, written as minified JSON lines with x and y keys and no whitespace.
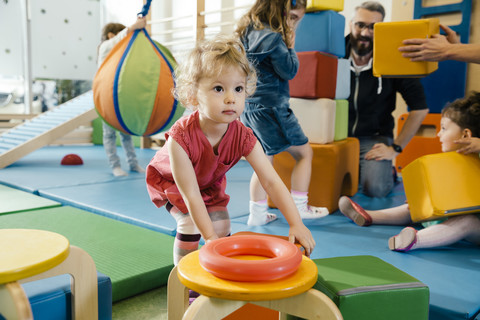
{"x":342,"y":88}
{"x":51,"y":298}
{"x":423,"y":143}
{"x":316,"y":117}
{"x":321,"y":31}
{"x":368,"y":288}
{"x":388,"y":37}
{"x":320,"y":5}
{"x":321,"y":75}
{"x":442,"y":184}
{"x":334,"y":172}
{"x":341,"y":120}
{"x":316,"y":76}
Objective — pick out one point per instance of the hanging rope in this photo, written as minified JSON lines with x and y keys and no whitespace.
{"x":145,"y":9}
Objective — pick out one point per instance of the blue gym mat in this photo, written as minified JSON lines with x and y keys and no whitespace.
{"x":452,"y":273}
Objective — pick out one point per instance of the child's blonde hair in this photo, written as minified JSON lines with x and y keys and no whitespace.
{"x":273,"y":13}
{"x":208,"y":59}
{"x":465,"y":112}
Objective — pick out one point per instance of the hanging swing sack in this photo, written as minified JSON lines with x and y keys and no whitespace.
{"x":133,"y":87}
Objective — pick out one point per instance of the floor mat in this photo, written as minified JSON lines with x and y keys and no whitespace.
{"x":136,"y":259}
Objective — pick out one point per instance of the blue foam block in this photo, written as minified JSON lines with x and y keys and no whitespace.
{"x":321,"y":31}
{"x":50,"y":298}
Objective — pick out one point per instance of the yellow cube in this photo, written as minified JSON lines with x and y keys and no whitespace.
{"x":388,"y":37}
{"x":441,"y":185}
{"x":320,"y":5}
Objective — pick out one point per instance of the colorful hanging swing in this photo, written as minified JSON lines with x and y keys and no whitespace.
{"x":132,"y":89}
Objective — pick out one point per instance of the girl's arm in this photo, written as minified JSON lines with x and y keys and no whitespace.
{"x":186,"y":181}
{"x":280,"y":195}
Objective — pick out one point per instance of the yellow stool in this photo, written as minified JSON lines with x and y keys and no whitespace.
{"x":28,"y":255}
{"x":292,"y":295}
{"x":389,"y":36}
{"x":334,"y":172}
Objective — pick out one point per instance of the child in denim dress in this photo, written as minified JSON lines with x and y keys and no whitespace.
{"x":268,"y":33}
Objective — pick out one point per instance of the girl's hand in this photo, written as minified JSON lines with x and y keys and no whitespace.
{"x":302,"y":235}
{"x":139,"y":24}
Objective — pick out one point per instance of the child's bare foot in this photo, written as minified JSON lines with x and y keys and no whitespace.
{"x":352,"y":210}
{"x":404,"y":241}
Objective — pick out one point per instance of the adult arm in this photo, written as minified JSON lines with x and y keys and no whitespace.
{"x":280,"y":195}
{"x":440,"y":47}
{"x":186,"y":181}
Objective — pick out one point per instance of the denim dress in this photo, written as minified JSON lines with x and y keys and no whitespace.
{"x":268,"y":111}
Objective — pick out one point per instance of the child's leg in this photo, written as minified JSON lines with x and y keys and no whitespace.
{"x":391,"y":216}
{"x":187,"y":237}
{"x":129,"y":148}
{"x":301,"y":175}
{"x":448,"y":232}
{"x":110,"y":146}
{"x":258,"y":206}
{"x":220,"y":219}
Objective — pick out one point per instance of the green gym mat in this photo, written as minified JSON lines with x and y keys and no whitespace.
{"x":136,"y":259}
{"x":14,"y":200}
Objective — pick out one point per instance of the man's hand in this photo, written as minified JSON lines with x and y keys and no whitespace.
{"x":381,"y":151}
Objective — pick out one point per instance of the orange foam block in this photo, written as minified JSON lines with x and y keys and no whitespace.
{"x":389,"y":36}
{"x":423,"y":143}
{"x":334,"y":172}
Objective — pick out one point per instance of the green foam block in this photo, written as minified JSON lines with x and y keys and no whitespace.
{"x":368,"y":288}
{"x":136,"y":259}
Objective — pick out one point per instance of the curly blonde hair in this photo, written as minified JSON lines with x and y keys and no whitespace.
{"x":208,"y":59}
{"x":273,"y":13}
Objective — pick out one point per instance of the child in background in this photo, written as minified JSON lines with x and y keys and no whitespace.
{"x":460,"y":120}
{"x":188,"y":174}
{"x":268,"y":33}
{"x":112,"y":34}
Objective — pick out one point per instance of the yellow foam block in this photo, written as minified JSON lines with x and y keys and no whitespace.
{"x":388,"y":37}
{"x":319,"y":5}
{"x":316,"y":117}
{"x":442,"y":184}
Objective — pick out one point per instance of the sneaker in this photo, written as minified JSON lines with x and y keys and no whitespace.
{"x":352,"y":210}
{"x":259,"y":215}
{"x":404,"y":241}
{"x":192,"y":295}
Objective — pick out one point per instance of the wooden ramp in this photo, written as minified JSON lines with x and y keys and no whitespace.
{"x":46,"y":128}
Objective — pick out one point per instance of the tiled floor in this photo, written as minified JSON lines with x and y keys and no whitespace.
{"x":151,"y":305}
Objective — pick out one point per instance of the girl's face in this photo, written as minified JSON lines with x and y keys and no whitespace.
{"x":221,"y":99}
{"x":295,"y":16}
{"x":449,"y":132}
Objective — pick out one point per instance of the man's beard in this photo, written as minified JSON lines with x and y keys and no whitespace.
{"x":360,"y":48}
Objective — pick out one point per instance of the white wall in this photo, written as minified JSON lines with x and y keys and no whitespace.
{"x":64,"y":38}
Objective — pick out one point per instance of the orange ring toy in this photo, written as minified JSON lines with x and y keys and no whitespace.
{"x":216,"y":258}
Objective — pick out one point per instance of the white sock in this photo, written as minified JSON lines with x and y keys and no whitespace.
{"x":259,"y":214}
{"x":117,"y":172}
{"x":306,"y":211}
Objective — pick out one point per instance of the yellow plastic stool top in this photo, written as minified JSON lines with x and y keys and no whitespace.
{"x":194,"y":277}
{"x":28,"y":252}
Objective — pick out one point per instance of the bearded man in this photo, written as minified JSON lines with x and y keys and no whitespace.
{"x":371,"y":103}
